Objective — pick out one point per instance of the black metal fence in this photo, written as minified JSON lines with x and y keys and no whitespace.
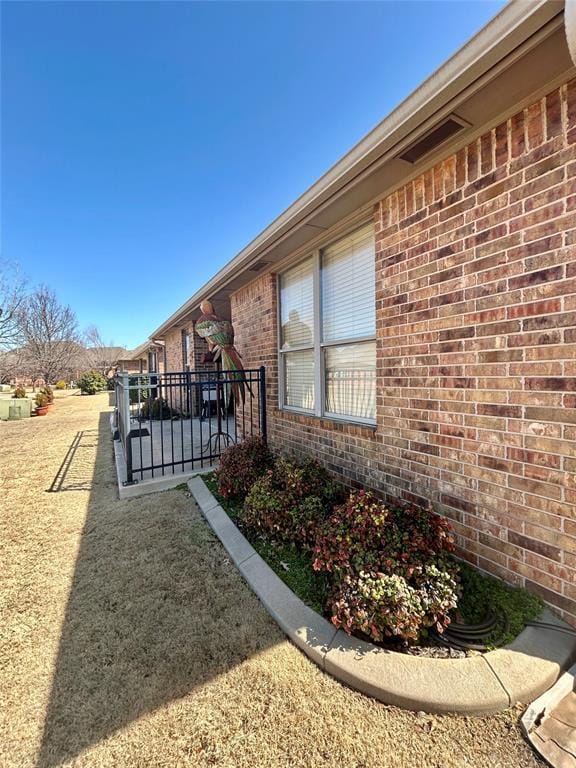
{"x":171,"y":423}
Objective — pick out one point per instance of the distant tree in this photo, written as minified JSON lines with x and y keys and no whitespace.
{"x":12,"y":298}
{"x":100,"y":357}
{"x":50,"y":335}
{"x":12,"y":364}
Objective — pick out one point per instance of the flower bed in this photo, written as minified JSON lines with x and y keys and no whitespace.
{"x":381,"y":571}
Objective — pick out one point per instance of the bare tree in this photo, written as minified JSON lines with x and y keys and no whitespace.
{"x":50,"y":335}
{"x":12,"y":364}
{"x":100,"y":357}
{"x":12,"y":298}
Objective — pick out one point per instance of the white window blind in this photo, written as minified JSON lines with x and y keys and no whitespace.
{"x":297,"y":306}
{"x":299,"y":379}
{"x":331,"y":371}
{"x":350,"y":380}
{"x":186,"y":348}
{"x":348,"y":287}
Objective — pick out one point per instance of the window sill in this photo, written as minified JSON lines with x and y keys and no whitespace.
{"x":329,"y":422}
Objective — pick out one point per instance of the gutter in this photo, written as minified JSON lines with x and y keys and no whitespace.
{"x":141,"y":350}
{"x":515,"y":24}
{"x":570,"y":25}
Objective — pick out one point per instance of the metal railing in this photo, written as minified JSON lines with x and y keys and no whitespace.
{"x":170,"y":423}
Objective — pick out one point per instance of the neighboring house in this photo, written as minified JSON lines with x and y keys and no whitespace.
{"x":17,"y":366}
{"x":103,"y":359}
{"x":147,"y":358}
{"x":416,"y":308}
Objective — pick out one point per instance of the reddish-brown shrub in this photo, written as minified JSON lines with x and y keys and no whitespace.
{"x":389,"y":566}
{"x":290,"y":502}
{"x":241,"y":465}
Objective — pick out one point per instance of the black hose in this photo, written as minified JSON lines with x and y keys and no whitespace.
{"x":465,"y":631}
{"x":549,"y":625}
{"x":471,"y":636}
{"x":486,"y":624}
{"x":453,"y":642}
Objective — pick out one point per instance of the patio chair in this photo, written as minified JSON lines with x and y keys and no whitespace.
{"x":212,"y":399}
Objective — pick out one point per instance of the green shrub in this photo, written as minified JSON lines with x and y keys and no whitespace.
{"x":290,"y":502}
{"x":240,"y":466}
{"x":19,"y":392}
{"x":91,"y":382}
{"x":390,"y":567}
{"x":484,"y":595}
{"x":61,"y":384}
{"x":157,"y":410}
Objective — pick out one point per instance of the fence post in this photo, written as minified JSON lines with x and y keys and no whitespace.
{"x":262,"y":402}
{"x":125,"y":416}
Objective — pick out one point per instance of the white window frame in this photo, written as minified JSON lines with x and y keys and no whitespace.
{"x":318,"y":346}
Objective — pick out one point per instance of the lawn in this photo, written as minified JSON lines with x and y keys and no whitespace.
{"x":127,"y":637}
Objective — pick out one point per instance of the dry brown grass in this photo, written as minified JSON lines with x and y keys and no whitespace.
{"x":129,"y":639}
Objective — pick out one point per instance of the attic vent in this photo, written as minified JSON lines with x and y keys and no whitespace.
{"x":258,"y":266}
{"x":434,"y":138}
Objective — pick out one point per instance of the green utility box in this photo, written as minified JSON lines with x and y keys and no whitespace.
{"x":15,"y":408}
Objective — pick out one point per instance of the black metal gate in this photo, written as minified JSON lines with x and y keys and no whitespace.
{"x":172,"y":423}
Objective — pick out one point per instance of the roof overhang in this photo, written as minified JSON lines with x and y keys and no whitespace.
{"x":517,"y":55}
{"x":142,"y":350}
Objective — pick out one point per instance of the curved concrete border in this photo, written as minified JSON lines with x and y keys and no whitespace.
{"x":476,"y":685}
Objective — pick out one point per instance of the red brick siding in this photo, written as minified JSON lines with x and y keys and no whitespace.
{"x":476,"y":266}
{"x":254,"y":318}
{"x":476,"y":323}
{"x":174,"y":352}
{"x":175,"y":359}
{"x":173,"y":349}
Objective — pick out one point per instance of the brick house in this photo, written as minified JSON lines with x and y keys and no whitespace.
{"x":146,"y":358}
{"x":416,"y":308}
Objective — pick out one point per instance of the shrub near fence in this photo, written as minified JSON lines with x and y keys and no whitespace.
{"x":92,"y":382}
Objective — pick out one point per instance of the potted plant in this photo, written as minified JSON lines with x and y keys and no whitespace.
{"x":19,"y":393}
{"x":41,"y":404}
{"x":48,"y":393}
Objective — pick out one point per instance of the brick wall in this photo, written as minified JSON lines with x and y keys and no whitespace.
{"x":175,"y":363}
{"x":476,"y":265}
{"x":476,"y":324}
{"x":174,"y":352}
{"x":173,"y":349}
{"x":253,"y":313}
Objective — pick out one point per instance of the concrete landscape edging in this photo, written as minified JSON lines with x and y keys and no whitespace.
{"x":477,"y":685}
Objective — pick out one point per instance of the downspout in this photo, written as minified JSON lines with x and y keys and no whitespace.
{"x":570,"y":27}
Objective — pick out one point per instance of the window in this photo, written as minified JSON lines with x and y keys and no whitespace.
{"x":185,"y":349}
{"x":328,"y":330}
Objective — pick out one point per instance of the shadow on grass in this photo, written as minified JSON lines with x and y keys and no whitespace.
{"x":155,"y":610}
{"x":75,"y":472}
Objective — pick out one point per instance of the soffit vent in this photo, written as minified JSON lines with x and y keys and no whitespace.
{"x":431,"y":140}
{"x":258,"y":266}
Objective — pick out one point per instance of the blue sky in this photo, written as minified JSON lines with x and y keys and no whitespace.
{"x":144,"y":144}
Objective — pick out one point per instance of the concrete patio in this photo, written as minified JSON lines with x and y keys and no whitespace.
{"x":168,"y":452}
